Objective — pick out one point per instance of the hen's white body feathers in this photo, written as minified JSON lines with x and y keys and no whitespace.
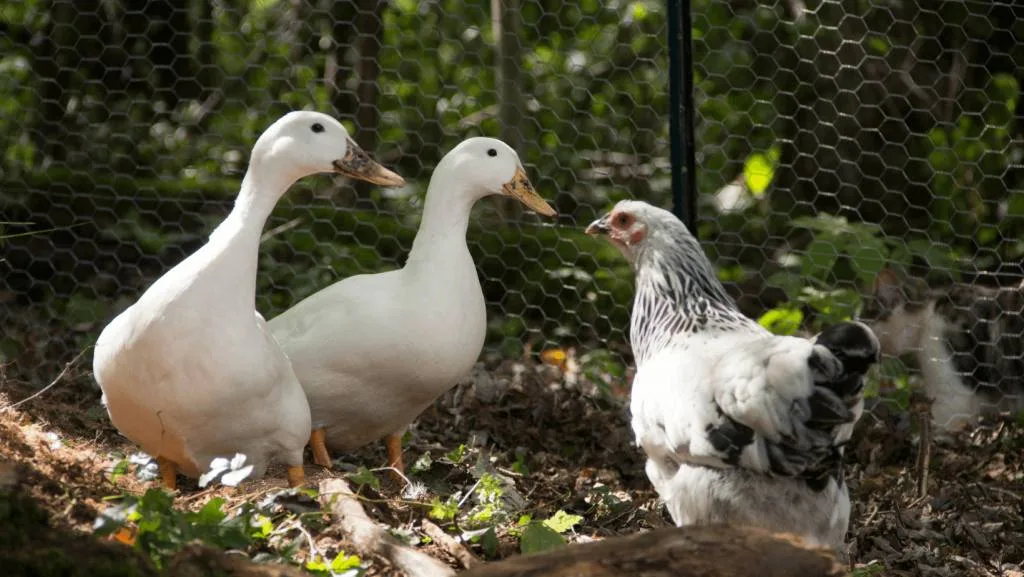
{"x":755,"y":378}
{"x":739,"y":425}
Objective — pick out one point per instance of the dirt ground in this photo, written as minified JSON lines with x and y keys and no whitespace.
{"x":553,"y":441}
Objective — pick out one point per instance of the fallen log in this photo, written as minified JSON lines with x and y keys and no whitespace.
{"x":697,"y":551}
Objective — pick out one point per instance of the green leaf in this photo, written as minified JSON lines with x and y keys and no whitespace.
{"x":345,"y":562}
{"x":489,"y":543}
{"x":119,"y":470}
{"x":317,"y":564}
{"x":443,"y":510}
{"x":783,"y":320}
{"x":758,"y":172}
{"x":819,"y":258}
{"x":211,"y":513}
{"x":364,"y":476}
{"x":538,"y":538}
{"x":878,"y":45}
{"x":264,"y":527}
{"x":561,"y":521}
{"x":456,"y":455}
{"x":639,"y":11}
{"x":868,"y":261}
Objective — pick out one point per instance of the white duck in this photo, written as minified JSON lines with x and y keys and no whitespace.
{"x":190,"y":372}
{"x":373,"y":351}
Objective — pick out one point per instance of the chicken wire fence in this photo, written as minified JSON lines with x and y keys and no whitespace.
{"x":832,"y":137}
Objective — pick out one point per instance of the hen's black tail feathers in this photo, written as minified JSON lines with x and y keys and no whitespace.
{"x":837,"y":392}
{"x":856,"y":348}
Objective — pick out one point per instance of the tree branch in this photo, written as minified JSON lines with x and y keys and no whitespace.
{"x":369,"y":538}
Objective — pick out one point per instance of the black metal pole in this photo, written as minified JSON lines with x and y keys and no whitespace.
{"x":681,"y":114}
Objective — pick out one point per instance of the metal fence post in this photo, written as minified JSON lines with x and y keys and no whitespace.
{"x":681,"y":113}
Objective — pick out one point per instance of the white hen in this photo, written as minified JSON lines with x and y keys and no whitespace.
{"x":739,"y":425}
{"x":372,"y":351}
{"x":190,"y":372}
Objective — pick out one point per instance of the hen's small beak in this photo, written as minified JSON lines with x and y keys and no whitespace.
{"x":519,"y":187}
{"x":598,"y":227}
{"x":358,"y":164}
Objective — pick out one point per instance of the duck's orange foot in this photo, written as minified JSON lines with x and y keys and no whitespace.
{"x":296,"y":476}
{"x":168,"y":473}
{"x":317,"y":441}
{"x":394,"y":444}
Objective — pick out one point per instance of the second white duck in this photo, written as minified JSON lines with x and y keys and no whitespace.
{"x":373,"y":351}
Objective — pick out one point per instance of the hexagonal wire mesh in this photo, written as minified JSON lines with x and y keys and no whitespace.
{"x":834,"y":137}
{"x":841,"y":137}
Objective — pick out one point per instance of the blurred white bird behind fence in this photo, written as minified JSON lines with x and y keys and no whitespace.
{"x":833,"y":138}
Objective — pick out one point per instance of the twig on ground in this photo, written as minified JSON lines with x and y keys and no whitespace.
{"x":449,"y":544}
{"x":369,"y":538}
{"x":923,"y":412}
{"x":56,"y":380}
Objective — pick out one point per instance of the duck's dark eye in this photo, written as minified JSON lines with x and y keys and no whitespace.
{"x":492,"y":152}
{"x":317,"y":127}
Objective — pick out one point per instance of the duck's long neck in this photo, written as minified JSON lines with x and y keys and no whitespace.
{"x":445,"y":220}
{"x":234,"y":244}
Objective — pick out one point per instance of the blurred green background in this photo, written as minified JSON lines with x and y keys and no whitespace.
{"x":833,"y":137}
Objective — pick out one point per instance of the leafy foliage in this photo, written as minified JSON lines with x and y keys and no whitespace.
{"x":342,"y":565}
{"x":161,"y":530}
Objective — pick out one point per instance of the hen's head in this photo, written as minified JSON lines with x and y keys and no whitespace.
{"x":637,"y":229}
{"x":670,"y":266}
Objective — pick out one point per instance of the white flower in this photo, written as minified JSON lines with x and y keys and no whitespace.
{"x":236,"y":472}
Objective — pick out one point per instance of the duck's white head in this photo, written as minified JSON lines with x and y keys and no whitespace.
{"x":304,"y":143}
{"x":485,"y":166}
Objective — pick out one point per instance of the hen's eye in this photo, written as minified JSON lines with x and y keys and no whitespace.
{"x":317,"y":127}
{"x":492,"y":152}
{"x":623,"y":220}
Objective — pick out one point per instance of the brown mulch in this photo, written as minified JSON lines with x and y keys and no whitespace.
{"x":562,"y":446}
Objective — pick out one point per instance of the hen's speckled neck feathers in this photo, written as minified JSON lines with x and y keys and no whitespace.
{"x":677,"y":290}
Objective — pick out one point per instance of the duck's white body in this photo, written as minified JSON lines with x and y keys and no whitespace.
{"x":191,"y":372}
{"x":373,"y":351}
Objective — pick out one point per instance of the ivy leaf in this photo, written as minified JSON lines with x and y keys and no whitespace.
{"x":364,"y":476}
{"x":345,"y":562}
{"x":489,"y":543}
{"x":537,"y":538}
{"x":561,"y":521}
{"x":443,"y":510}
{"x":211,"y":513}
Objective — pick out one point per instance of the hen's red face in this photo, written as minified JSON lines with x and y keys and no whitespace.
{"x":621,"y":227}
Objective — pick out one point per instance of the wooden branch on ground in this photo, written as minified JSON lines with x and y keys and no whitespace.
{"x":449,"y":544}
{"x":704,"y":551}
{"x":201,"y":561}
{"x":371,"y":539}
